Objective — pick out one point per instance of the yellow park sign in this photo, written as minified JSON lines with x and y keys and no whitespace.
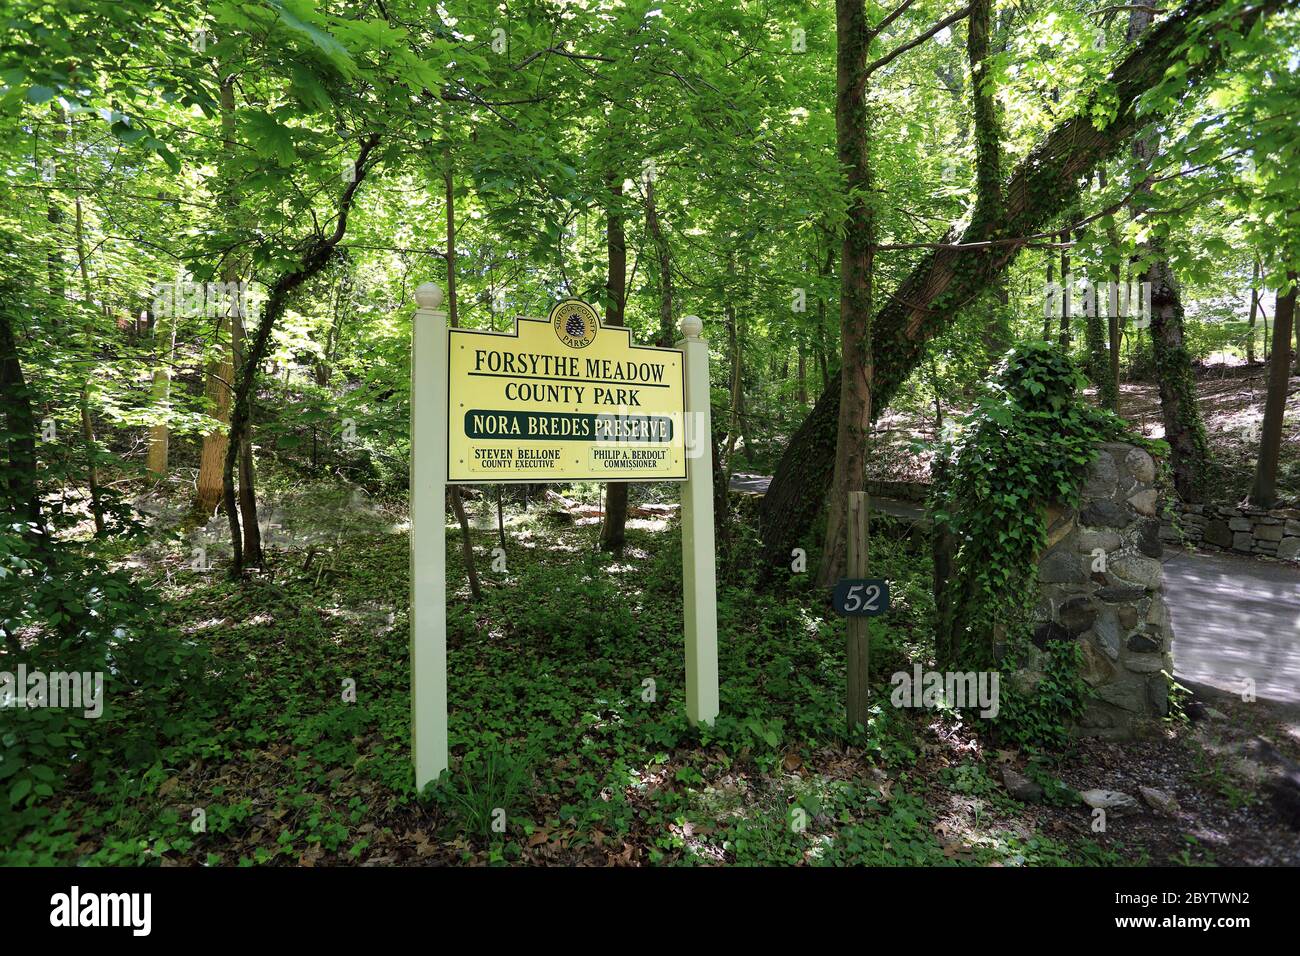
{"x":556,"y":400}
{"x":563,"y":399}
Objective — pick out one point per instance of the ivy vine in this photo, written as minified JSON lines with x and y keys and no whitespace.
{"x":1026,"y":444}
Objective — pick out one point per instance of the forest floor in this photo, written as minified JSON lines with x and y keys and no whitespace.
{"x":566,"y":712}
{"x":1232,"y":405}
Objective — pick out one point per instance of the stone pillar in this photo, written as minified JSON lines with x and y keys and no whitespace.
{"x":1101,"y":584}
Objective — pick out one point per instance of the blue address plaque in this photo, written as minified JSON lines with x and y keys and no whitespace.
{"x":861,"y":597}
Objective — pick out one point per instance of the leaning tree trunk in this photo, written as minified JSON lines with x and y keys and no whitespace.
{"x":945,"y":278}
{"x":317,"y":253}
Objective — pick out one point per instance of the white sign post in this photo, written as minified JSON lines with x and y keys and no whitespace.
{"x":428,"y":505}
{"x":428,"y":491}
{"x":699,"y":557}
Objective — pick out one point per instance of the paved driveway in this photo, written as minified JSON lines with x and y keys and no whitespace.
{"x":1235,"y":618}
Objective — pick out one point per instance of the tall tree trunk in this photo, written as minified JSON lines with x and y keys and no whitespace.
{"x":824,"y":270}
{"x":164,"y":335}
{"x":1264,"y":492}
{"x":247,"y":485}
{"x":1110,"y":390}
{"x":930,"y":296}
{"x":1296,"y":330}
{"x":1097,"y":363}
{"x":216,"y":391}
{"x":1049,"y":300}
{"x":220,"y":377}
{"x":54,"y":216}
{"x":1179,"y":406}
{"x":988,"y":157}
{"x":1067,"y":293}
{"x":453,"y":315}
{"x":736,"y":380}
{"x":667,"y":331}
{"x":613,"y":530}
{"x":1113,"y":329}
{"x":243,"y":453}
{"x":989,"y":200}
{"x":1254,"y":310}
{"x":87,"y":423}
{"x":18,"y":477}
{"x":1180,"y":410}
{"x":852,"y":140}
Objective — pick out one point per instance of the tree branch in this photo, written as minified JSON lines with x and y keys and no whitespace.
{"x":900,"y":50}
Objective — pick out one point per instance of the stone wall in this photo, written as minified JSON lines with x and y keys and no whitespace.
{"x":1100,"y":583}
{"x":1243,"y":530}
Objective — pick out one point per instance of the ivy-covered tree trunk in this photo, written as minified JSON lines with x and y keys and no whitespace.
{"x":988,"y":161}
{"x":989,"y":201}
{"x":1264,"y":492}
{"x":1189,"y":451}
{"x":1108,"y":388}
{"x":852,"y":137}
{"x":613,"y":530}
{"x":944,"y":279}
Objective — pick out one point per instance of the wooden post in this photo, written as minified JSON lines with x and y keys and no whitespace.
{"x":699,"y":580}
{"x":428,"y":506}
{"x":859,"y":628}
